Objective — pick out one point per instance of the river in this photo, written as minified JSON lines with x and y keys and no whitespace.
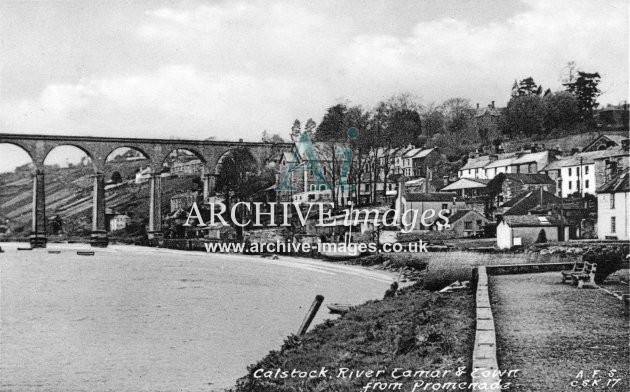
{"x":143,"y":319}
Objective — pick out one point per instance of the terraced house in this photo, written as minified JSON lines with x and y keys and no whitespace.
{"x":612,"y":208}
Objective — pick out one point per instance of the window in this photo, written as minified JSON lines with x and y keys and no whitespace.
{"x":569,"y":182}
{"x":479,"y":223}
{"x":612,"y":201}
{"x":445,"y":206}
{"x":467,"y":225}
{"x":570,"y":172}
{"x":585,"y":169}
{"x":586,"y":184}
{"x":613,"y":224}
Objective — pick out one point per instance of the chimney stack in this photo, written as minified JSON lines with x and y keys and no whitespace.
{"x":492,"y":104}
{"x":477,"y":105}
{"x":445,"y":180}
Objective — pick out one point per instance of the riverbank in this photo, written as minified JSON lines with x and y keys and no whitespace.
{"x":417,"y":330}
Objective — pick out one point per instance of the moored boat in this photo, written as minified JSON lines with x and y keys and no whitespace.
{"x":339,"y":308}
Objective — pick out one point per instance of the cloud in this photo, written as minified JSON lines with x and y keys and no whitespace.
{"x":233,"y":69}
{"x":174,"y":101}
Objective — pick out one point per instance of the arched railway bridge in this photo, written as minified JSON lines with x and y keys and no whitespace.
{"x":98,"y":149}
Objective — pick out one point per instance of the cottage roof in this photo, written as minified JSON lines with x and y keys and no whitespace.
{"x":466,"y":183}
{"x":486,"y":110}
{"x":532,"y":220}
{"x":423,"y":153}
{"x":522,"y":203}
{"x":531,"y":157}
{"x":529,"y":178}
{"x":462,"y":213}
{"x":412,"y":153}
{"x":617,"y":184}
{"x":555,"y":165}
{"x":501,"y":162}
{"x":474,"y":163}
{"x":436,"y":196}
{"x":585,"y":158}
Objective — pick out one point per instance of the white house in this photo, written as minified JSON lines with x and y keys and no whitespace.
{"x":143,"y":175}
{"x":119,"y":222}
{"x":432,"y":201}
{"x":612,"y":208}
{"x":585,"y":172}
{"x":524,"y":230}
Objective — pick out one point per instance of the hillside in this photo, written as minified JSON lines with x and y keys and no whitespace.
{"x":69,"y":196}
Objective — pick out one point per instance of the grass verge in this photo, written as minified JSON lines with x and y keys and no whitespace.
{"x":417,"y":330}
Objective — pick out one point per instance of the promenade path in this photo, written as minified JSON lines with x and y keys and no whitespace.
{"x":552,"y":331}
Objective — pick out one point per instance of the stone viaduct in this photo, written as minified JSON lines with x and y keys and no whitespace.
{"x":98,"y":149}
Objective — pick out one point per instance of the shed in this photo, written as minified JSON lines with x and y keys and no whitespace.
{"x":516,"y":230}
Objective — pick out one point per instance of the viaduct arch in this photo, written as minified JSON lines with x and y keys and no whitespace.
{"x":99,"y":148}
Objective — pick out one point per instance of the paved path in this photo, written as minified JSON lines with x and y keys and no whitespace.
{"x":552,"y":331}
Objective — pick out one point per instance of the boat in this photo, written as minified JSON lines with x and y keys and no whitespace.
{"x":85,"y":253}
{"x":339,"y":308}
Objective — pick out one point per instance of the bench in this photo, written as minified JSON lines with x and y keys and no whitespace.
{"x":578,"y":267}
{"x":585,"y":278}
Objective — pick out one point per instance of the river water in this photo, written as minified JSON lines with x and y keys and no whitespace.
{"x":141,"y":319}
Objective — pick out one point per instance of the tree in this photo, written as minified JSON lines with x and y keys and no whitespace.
{"x":358,"y":118}
{"x":569,"y":73}
{"x":457,"y":114}
{"x":432,"y":120}
{"x":523,"y":116}
{"x":586,"y":91}
{"x":561,"y":110}
{"x":116,"y":177}
{"x":527,"y":86}
{"x":238,"y":178}
{"x":331,"y":126}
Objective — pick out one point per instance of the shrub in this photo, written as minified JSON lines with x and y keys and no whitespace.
{"x":608,"y":260}
{"x":446,"y":270}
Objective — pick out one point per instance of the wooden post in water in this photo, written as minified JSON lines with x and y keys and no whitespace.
{"x":311,"y":314}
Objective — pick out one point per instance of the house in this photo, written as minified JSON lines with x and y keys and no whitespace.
{"x":421,"y":162}
{"x":604,"y":142}
{"x":119,"y":222}
{"x":613,"y":116}
{"x":514,"y":230}
{"x":468,"y":187}
{"x":305,"y":181}
{"x":499,"y":163}
{"x":143,"y":175}
{"x":612,"y":208}
{"x":554,"y":171}
{"x":188,"y":167}
{"x":524,"y":202}
{"x":486,"y":119}
{"x":530,"y":162}
{"x":515,"y":183}
{"x":475,"y":167}
{"x":431,"y":201}
{"x":579,"y":173}
{"x":183,"y":200}
{"x":466,"y":223}
{"x":489,"y":166}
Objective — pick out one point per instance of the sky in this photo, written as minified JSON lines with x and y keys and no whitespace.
{"x":231,"y":69}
